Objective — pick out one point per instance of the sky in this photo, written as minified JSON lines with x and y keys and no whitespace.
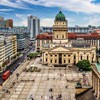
{"x":77,"y":12}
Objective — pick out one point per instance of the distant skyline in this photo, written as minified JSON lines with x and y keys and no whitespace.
{"x":77,"y":12}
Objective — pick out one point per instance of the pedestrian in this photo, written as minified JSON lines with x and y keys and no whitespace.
{"x":8,"y":91}
{"x":66,"y":86}
{"x":31,"y":97}
{"x":41,"y":97}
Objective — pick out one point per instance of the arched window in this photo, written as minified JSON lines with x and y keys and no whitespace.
{"x":81,"y":57}
{"x":74,"y":56}
{"x":46,"y":60}
{"x":55,"y":61}
{"x":87,"y":57}
{"x":64,"y":61}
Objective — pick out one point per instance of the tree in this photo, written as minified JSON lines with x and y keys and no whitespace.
{"x":32,"y":55}
{"x":84,"y":65}
{"x":99,"y":51}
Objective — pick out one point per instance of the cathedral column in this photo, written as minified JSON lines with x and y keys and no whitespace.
{"x":93,"y":83}
{"x":95,"y":86}
{"x":98,"y":88}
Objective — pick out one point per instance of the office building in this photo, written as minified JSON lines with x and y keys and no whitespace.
{"x":1,"y":21}
{"x":9,"y":23}
{"x":22,"y":35}
{"x":33,"y":26}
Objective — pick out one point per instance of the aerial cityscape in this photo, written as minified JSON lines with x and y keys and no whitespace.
{"x":49,"y":50}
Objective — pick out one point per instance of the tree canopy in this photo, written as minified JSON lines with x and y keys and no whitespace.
{"x":32,"y":55}
{"x":84,"y":65}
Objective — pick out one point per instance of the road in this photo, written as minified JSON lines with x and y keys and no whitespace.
{"x":17,"y":63}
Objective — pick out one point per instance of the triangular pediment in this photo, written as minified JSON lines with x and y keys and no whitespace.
{"x":61,"y":49}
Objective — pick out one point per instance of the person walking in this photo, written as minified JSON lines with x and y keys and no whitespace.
{"x":31,"y":97}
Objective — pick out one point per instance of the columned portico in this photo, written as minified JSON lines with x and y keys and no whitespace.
{"x":96,"y":82}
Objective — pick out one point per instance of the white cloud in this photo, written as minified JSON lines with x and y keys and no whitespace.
{"x":16,"y":4}
{"x":19,"y":15}
{"x":21,"y":20}
{"x":20,"y":23}
{"x":93,"y":20}
{"x":5,"y":10}
{"x":47,"y":22}
{"x":86,"y":6}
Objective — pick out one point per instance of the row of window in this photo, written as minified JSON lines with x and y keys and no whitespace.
{"x":56,"y":55}
{"x":62,"y":36}
{"x":56,"y":61}
{"x":70,"y":55}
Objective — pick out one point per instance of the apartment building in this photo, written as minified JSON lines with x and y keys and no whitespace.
{"x":8,"y":50}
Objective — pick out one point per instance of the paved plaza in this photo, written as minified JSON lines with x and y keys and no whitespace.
{"x":49,"y":82}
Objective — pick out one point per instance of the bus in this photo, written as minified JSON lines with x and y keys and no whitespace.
{"x":6,"y":75}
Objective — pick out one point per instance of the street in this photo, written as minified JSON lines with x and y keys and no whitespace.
{"x":16,"y":63}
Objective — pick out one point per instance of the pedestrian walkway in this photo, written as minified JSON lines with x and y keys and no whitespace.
{"x":48,"y":84}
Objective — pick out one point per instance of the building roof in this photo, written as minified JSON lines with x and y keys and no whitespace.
{"x":70,"y":36}
{"x":47,"y":45}
{"x":80,"y":42}
{"x":60,"y":17}
{"x":85,"y":36}
{"x":47,"y":36}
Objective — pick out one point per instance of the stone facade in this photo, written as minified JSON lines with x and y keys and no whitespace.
{"x":96,"y":81}
{"x":59,"y":51}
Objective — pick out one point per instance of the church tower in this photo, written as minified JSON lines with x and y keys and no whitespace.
{"x":60,"y":31}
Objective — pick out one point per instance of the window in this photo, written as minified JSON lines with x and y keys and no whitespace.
{"x":55,"y":55}
{"x":68,"y":55}
{"x":64,"y":55}
{"x":46,"y":59}
{"x":87,"y":57}
{"x":51,"y":55}
{"x":51,"y":61}
{"x":46,"y":54}
{"x":64,"y":61}
{"x":69,"y":61}
{"x":57,"y":36}
{"x":55,"y":61}
{"x":74,"y":56}
{"x":62,"y":36}
{"x":81,"y":57}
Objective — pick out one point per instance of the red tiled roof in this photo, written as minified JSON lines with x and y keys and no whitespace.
{"x":85,"y":36}
{"x":44,"y":36}
{"x":70,"y":36}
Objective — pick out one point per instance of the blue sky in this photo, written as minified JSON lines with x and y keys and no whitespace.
{"x":77,"y":12}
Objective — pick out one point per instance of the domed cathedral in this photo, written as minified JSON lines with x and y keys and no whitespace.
{"x":60,"y":52}
{"x":60,"y":32}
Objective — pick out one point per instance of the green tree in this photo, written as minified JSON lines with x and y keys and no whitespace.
{"x":84,"y":65}
{"x":99,"y":51}
{"x":32,"y":55}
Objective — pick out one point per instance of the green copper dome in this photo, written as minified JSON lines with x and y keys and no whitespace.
{"x":60,"y":17}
